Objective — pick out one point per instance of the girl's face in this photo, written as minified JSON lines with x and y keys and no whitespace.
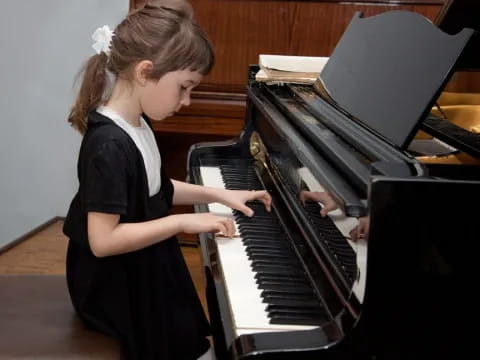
{"x":163,"y":98}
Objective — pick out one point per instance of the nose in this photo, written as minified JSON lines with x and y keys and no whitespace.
{"x":185,"y":100}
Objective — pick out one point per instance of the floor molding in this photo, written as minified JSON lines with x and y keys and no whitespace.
{"x":30,"y":233}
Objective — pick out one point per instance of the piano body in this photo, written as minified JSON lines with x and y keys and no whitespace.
{"x":294,"y":285}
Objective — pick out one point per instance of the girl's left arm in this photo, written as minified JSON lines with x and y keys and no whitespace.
{"x":191,"y":194}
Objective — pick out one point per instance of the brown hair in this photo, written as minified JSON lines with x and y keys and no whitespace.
{"x":162,"y":31}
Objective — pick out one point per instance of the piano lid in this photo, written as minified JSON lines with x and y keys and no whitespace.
{"x":387,"y":71}
{"x":456,"y":15}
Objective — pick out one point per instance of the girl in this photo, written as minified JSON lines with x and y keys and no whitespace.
{"x":125,"y":271}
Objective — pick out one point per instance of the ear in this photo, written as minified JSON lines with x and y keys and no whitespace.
{"x":141,"y":72}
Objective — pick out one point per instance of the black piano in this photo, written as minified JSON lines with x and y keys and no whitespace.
{"x":294,"y":285}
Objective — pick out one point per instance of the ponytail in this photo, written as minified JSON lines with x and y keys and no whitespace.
{"x":91,"y":91}
{"x":162,"y":31}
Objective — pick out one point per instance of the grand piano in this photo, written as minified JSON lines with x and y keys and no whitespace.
{"x":293,"y":284}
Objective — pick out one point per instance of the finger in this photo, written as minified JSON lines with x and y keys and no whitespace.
{"x":246,"y":210}
{"x":257,"y":194}
{"x":221,"y":228}
{"x":356,"y":234}
{"x":327,"y":208}
{"x":268,"y":201}
{"x":319,"y":196}
{"x":231,"y":229}
{"x":353,"y":234}
{"x":328,"y":204}
{"x":229,"y":226}
{"x":303,"y":197}
{"x":264,"y":197}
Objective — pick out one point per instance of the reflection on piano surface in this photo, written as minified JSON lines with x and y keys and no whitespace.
{"x":293,"y":284}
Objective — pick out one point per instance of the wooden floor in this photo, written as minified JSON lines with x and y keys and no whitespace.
{"x":44,"y":253}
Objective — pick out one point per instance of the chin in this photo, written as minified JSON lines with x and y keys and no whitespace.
{"x":158,"y":117}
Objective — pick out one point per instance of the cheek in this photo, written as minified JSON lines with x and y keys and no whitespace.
{"x":158,"y":105}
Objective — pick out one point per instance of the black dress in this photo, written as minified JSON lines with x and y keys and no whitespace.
{"x":145,"y":298}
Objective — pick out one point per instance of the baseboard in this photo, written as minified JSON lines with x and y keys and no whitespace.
{"x":30,"y":233}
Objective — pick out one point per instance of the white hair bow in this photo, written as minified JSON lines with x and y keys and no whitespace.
{"x":103,"y":39}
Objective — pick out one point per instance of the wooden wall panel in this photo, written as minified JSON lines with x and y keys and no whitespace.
{"x":327,"y":22}
{"x":242,"y":29}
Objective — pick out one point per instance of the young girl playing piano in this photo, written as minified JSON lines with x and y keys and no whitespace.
{"x":125,"y":271}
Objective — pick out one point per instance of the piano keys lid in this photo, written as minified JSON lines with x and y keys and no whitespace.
{"x":387,"y":71}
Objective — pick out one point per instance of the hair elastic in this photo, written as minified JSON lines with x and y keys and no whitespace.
{"x":103,"y":39}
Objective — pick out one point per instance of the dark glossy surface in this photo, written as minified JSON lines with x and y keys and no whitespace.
{"x":457,"y":15}
{"x":420,"y":267}
{"x":384,"y":85}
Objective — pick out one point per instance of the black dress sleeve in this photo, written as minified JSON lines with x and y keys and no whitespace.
{"x":105,"y":181}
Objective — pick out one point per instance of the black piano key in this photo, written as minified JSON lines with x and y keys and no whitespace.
{"x":297,"y":313}
{"x":267,"y":269}
{"x":276,"y":240}
{"x":293,"y":290}
{"x":295,"y":320}
{"x":258,"y":243}
{"x":259,"y":266}
{"x":254,"y":254}
{"x":254,"y":257}
{"x":269,"y":251}
{"x":256,"y":221}
{"x":270,"y":294}
{"x":278,"y":309}
{"x":259,"y":254}
{"x":261,"y":233}
{"x":274,"y":248}
{"x":264,"y":227}
{"x":283,"y":285}
{"x":266,"y":282}
{"x":279,"y":276}
{"x":263,"y":240}
{"x":276,"y":262}
{"x":302,"y":303}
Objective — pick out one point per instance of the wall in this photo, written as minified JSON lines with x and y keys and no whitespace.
{"x":42,"y":46}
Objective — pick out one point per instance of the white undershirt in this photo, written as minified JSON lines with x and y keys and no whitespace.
{"x":144,"y":139}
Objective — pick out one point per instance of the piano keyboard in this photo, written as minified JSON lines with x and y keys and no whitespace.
{"x":256,"y":270}
{"x":264,"y":292}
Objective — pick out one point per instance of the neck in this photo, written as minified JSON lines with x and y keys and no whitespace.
{"x":124,"y":102}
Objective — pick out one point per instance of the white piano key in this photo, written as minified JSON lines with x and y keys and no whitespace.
{"x":249,"y":312}
{"x":212,"y":177}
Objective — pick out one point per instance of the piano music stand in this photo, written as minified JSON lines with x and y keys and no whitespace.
{"x":388,"y":70}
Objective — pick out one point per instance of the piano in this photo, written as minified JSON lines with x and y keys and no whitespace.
{"x":293,"y":284}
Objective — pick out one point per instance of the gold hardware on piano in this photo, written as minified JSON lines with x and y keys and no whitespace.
{"x":257,"y":149}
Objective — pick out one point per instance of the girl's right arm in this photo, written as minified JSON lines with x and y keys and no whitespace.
{"x":107,"y":236}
